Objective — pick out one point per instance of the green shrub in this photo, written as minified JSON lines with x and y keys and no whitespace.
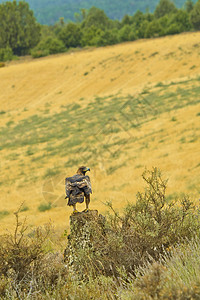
{"x":153,"y":29}
{"x":151,"y":251}
{"x":26,"y":264}
{"x":30,"y":152}
{"x":176,"y":276}
{"x":39,"y":53}
{"x":164,"y":7}
{"x":90,"y":36}
{"x":24,"y":208}
{"x":195,"y":15}
{"x":173,"y":119}
{"x":51,"y":172}
{"x":3,"y":214}
{"x":6,"y":54}
{"x":44,"y":207}
{"x":147,"y":228}
{"x":127,"y":33}
{"x":70,"y":35}
{"x":107,"y":37}
{"x":48,"y":46}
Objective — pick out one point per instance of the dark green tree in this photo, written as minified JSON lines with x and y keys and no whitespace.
{"x":153,"y":29}
{"x":195,"y":15}
{"x":91,"y":36}
{"x":189,"y":4}
{"x":141,"y":30}
{"x":71,"y":35}
{"x":164,"y":7}
{"x":140,"y":22}
{"x":96,"y":17}
{"x":127,"y":33}
{"x":107,"y":37}
{"x":79,"y":17}
{"x":178,"y":22}
{"x":49,"y":45}
{"x":6,"y":54}
{"x":138,"y":18}
{"x":127,"y":20}
{"x":18,"y":27}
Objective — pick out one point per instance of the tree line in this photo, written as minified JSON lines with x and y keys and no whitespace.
{"x":20,"y":34}
{"x":48,"y":11}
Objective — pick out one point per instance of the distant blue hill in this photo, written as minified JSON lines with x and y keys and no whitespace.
{"x":49,"y":11}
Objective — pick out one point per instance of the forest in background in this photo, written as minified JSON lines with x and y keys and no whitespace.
{"x":21,"y":34}
{"x":49,"y":11}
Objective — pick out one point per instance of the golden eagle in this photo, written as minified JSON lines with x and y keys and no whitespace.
{"x":77,"y":187}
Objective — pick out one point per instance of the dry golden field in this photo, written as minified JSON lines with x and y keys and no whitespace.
{"x":116,"y":109}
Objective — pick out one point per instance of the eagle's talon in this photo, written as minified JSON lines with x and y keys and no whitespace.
{"x":75,"y":212}
{"x":86,"y":210}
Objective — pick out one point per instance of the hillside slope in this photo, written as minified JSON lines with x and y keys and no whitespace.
{"x":116,"y":109}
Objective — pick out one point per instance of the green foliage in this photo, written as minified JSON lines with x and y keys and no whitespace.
{"x":164,"y":7}
{"x":39,"y":53}
{"x":97,"y":29}
{"x":195,"y":15}
{"x":178,"y":22}
{"x":107,"y":37}
{"x":127,"y":33}
{"x":146,"y":229}
{"x":173,"y":119}
{"x":44,"y":207}
{"x":96,"y":17}
{"x":153,"y":29}
{"x":51,"y":172}
{"x":3,"y":214}
{"x":19,"y":30}
{"x":6,"y":54}
{"x":140,"y":23}
{"x":151,"y":251}
{"x":24,"y":208}
{"x":176,"y":276}
{"x":90,"y":36}
{"x":71,"y":35}
{"x":189,"y":4}
{"x":23,"y":257}
{"x":48,"y":12}
{"x":94,"y":28}
{"x":48,"y":46}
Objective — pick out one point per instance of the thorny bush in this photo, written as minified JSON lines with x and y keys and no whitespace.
{"x":143,"y":232}
{"x":103,"y":254}
{"x":25,"y":264}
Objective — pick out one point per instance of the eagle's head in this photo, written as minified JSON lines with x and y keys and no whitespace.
{"x":82,"y":170}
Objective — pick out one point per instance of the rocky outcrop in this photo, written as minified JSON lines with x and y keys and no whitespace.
{"x":86,"y":228}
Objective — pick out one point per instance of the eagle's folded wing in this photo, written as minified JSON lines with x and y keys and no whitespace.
{"x":76,"y":187}
{"x":67,"y":187}
{"x":88,"y":183}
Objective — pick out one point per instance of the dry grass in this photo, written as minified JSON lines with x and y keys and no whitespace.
{"x":38,"y":91}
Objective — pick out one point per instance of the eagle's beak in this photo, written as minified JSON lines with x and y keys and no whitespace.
{"x":86,"y":169}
